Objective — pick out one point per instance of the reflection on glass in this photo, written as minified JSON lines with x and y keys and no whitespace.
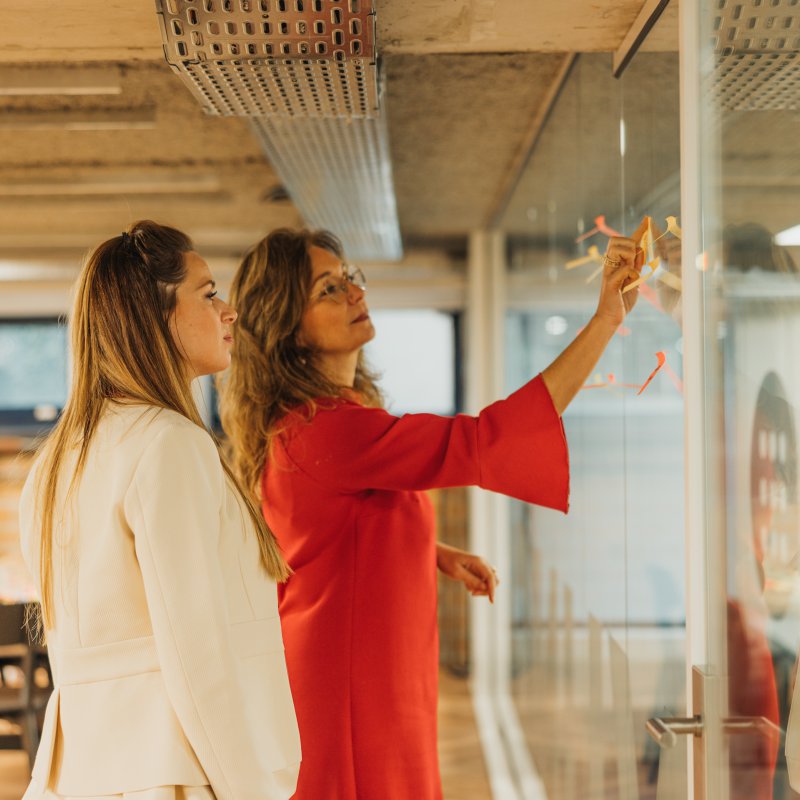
{"x":751,"y":307}
{"x":598,"y":614}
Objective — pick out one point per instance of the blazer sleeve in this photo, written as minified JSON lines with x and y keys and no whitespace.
{"x":515,"y":446}
{"x":173,"y":508}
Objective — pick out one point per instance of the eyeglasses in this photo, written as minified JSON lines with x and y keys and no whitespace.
{"x":336,"y":290}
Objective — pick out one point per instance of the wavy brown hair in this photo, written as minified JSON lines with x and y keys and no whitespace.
{"x":122,"y":351}
{"x":271,"y":373}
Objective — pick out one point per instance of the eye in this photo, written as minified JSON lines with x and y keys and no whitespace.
{"x":329,"y":290}
{"x":212,"y":295}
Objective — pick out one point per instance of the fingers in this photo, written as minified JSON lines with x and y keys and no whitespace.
{"x":621,"y":253}
{"x":621,"y":277}
{"x":479,"y":577}
{"x":621,"y":248}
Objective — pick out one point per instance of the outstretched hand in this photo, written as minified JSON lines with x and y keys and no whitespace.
{"x":622,"y":265}
{"x":478,"y":577}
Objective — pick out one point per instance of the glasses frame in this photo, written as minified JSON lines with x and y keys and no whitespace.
{"x":352,"y":276}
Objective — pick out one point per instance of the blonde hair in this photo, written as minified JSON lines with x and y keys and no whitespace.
{"x":122,"y":347}
{"x":271,"y":372}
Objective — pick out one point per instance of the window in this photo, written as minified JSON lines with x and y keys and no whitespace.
{"x":33,"y":372}
{"x":414,"y":353}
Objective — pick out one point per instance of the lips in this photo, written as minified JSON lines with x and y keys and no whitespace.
{"x":362,"y":318}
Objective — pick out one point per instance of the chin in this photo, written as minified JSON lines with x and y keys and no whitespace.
{"x":212,"y":368}
{"x":369,"y":334}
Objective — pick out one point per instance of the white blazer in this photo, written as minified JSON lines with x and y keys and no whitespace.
{"x":166,"y":653}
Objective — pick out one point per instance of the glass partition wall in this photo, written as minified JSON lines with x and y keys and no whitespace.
{"x":598,"y":609}
{"x":671,"y":592}
{"x":748,"y":318}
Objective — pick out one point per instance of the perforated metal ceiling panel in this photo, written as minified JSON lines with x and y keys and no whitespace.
{"x":757,"y":43}
{"x":309,"y":58}
{"x":353,"y":196}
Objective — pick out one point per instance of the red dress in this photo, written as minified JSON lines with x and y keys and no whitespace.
{"x":343,"y":496}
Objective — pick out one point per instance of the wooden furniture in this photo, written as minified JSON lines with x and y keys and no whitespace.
{"x":21,"y":700}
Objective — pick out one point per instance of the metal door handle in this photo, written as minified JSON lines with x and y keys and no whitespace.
{"x":665,"y":730}
{"x":749,"y":724}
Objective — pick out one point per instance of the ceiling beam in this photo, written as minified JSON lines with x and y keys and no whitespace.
{"x":638,"y":32}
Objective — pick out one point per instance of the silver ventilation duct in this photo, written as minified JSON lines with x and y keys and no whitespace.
{"x":306,"y":72}
{"x":350,"y":195}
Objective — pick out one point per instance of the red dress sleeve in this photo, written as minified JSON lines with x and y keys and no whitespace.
{"x":515,"y":446}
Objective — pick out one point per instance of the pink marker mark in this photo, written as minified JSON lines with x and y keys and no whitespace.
{"x":649,"y":294}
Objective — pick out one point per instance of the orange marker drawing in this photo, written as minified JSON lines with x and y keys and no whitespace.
{"x":662,"y":359}
{"x":600,"y":226}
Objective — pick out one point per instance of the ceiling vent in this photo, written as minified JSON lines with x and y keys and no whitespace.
{"x":757,"y":46}
{"x":307,"y":73}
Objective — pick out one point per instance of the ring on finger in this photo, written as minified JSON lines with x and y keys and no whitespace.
{"x":614,"y":262}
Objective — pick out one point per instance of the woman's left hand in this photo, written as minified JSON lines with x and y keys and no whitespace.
{"x":478,"y":576}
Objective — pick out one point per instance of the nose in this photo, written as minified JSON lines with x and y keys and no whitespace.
{"x":355,"y":294}
{"x":229,"y":314}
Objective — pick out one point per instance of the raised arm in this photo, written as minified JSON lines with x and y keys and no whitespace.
{"x":515,"y":446}
{"x":173,"y":507}
{"x":565,"y":376}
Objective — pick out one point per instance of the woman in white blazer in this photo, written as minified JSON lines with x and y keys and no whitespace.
{"x":156,"y":571}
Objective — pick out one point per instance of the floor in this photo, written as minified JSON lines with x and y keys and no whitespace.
{"x":463,"y":771}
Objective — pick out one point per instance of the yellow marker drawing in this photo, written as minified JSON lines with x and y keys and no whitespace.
{"x":595,"y":273}
{"x":592,"y":254}
{"x":673,"y":281}
{"x":673,"y":228}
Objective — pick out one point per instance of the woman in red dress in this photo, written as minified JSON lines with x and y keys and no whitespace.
{"x":341,"y":484}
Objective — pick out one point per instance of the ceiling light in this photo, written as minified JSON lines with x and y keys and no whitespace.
{"x":555,"y":325}
{"x":789,"y":237}
{"x":166,"y":183}
{"x":74,"y":120}
{"x":19,"y":82}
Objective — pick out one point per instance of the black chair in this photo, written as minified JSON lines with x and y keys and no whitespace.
{"x":21,"y":704}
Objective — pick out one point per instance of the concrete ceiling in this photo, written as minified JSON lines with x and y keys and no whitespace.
{"x":466,"y":80}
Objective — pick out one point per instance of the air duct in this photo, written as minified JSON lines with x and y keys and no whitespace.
{"x":757,"y":48}
{"x":306,"y":73}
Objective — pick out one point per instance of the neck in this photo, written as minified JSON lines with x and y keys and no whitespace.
{"x":340,"y":367}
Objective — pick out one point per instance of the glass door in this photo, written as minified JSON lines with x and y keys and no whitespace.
{"x":740,"y":120}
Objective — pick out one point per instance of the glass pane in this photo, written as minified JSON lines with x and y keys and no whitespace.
{"x":598,"y":596}
{"x":751,"y":325}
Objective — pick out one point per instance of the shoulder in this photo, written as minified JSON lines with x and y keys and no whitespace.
{"x":177,"y":458}
{"x":326,"y":412}
{"x":170,"y":437}
{"x":152,"y":424}
{"x":335,"y":428}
